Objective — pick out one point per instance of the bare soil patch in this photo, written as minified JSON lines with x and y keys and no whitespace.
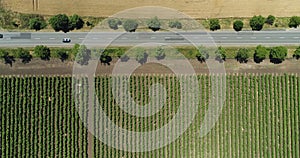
{"x":194,"y":8}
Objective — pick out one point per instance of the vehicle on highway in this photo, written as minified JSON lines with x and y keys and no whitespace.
{"x":1,"y":35}
{"x":66,"y":40}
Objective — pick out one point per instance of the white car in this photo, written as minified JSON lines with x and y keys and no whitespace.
{"x":66,"y":40}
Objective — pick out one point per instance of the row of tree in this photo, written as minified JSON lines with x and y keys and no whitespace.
{"x":82,"y":54}
{"x":130,"y":25}
{"x":60,"y":22}
{"x":256,"y":23}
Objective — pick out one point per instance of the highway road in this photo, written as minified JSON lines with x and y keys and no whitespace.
{"x":219,"y":38}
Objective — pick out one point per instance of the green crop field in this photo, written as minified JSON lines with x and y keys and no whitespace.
{"x":260,"y":117}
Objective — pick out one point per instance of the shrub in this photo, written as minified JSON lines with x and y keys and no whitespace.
{"x":294,"y":21}
{"x":37,"y":24}
{"x":270,"y":20}
{"x":60,"y":22}
{"x":220,"y":54}
{"x":75,"y":22}
{"x":242,"y":55}
{"x":130,"y":25}
{"x":260,"y":53}
{"x":297,"y":53}
{"x":154,"y":24}
{"x":43,"y":52}
{"x":175,"y":24}
{"x":113,"y":23}
{"x":214,"y":24}
{"x":238,"y":25}
{"x":202,"y":54}
{"x":278,"y":54}
{"x":160,"y":53}
{"x":257,"y":22}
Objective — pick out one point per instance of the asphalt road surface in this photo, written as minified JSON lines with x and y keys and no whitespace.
{"x":244,"y":38}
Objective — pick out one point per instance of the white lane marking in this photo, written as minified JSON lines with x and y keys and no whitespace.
{"x":267,"y":37}
{"x":51,"y":38}
{"x":239,"y":37}
{"x":224,"y":37}
{"x":109,"y":38}
{"x":196,"y":37}
{"x":124,"y":38}
{"x":81,"y":38}
{"x":281,"y":37}
{"x":210,"y":37}
{"x":296,"y":37}
{"x":37,"y":38}
{"x":95,"y":38}
{"x":152,"y":37}
{"x":253,"y":37}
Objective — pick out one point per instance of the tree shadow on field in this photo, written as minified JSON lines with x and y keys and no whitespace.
{"x":9,"y":60}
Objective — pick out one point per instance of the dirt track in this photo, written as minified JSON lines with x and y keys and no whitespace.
{"x":194,"y":8}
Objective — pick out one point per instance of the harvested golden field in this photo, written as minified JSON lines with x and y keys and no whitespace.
{"x":194,"y":8}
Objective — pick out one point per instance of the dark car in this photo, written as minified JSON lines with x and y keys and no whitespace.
{"x":66,"y":40}
{"x":1,"y":35}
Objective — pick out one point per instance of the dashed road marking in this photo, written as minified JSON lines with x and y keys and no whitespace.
{"x":281,"y":37}
{"x":224,"y":37}
{"x":51,"y":38}
{"x":267,"y":37}
{"x":37,"y":38}
{"x":239,"y":37}
{"x":253,"y":37}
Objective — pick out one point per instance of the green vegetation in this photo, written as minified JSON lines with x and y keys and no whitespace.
{"x":43,"y":52}
{"x":297,"y":53}
{"x":160,"y":53}
{"x":278,"y":54}
{"x":154,"y":24}
{"x":260,"y":53}
{"x":214,"y":24}
{"x":202,"y":54}
{"x":220,"y":54}
{"x":60,"y":22}
{"x":257,"y":22}
{"x":130,"y":25}
{"x":238,"y":25}
{"x":114,"y":23}
{"x":23,"y":54}
{"x":83,"y":55}
{"x":294,"y":21}
{"x":41,"y":113}
{"x":242,"y":55}
{"x":175,"y":24}
{"x":75,"y":22}
{"x":141,"y":55}
{"x":270,"y":20}
{"x":37,"y":24}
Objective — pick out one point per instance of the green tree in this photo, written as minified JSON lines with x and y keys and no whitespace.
{"x":202,"y":54}
{"x":43,"y":52}
{"x":270,"y":20}
{"x":130,"y":25}
{"x":23,"y":54}
{"x":105,"y":58}
{"x":160,"y":53}
{"x":141,"y":55}
{"x":257,"y":22}
{"x":260,"y":53}
{"x":62,"y":54}
{"x":8,"y":59}
{"x":278,"y":54}
{"x":175,"y":24}
{"x":154,"y":24}
{"x":238,"y":25}
{"x":113,"y":23}
{"x":242,"y":55}
{"x":37,"y":24}
{"x":220,"y":54}
{"x":60,"y":22}
{"x":214,"y":24}
{"x":294,"y":21}
{"x":75,"y":22}
{"x":83,"y":55}
{"x":297,"y":53}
